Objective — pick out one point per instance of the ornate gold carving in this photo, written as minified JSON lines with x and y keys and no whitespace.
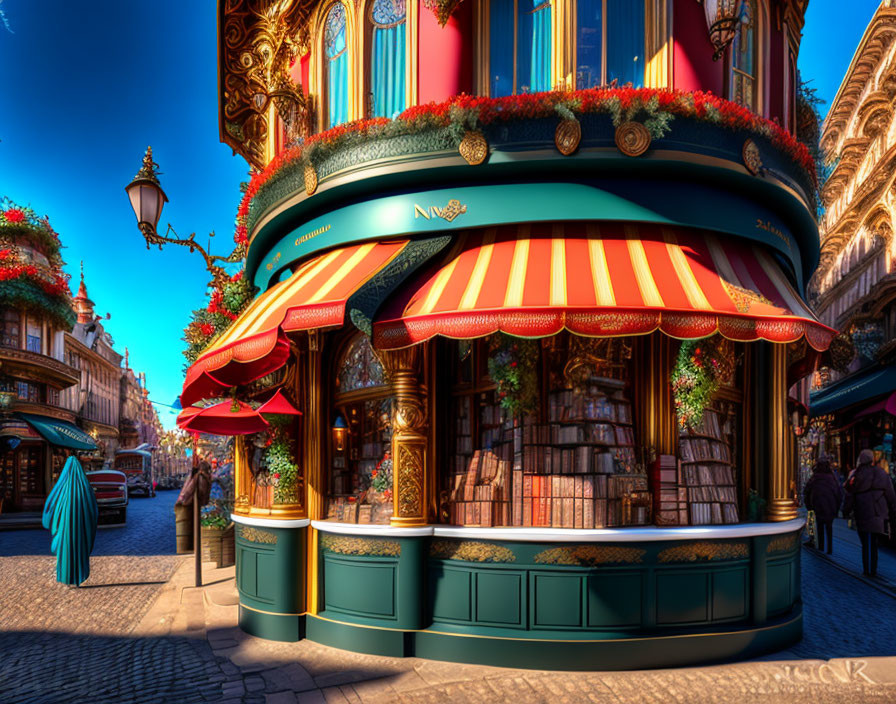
{"x":442,"y":9}
{"x":410,"y":480}
{"x":352,"y":545}
{"x":470,"y":551}
{"x":257,"y":535}
{"x":259,"y":39}
{"x":783,"y":543}
{"x":744,"y":298}
{"x":590,"y":555}
{"x":474,"y":148}
{"x":567,"y":136}
{"x":449,"y":212}
{"x":310,"y":179}
{"x":700,"y":551}
{"x":751,"y":157}
{"x":632,"y":138}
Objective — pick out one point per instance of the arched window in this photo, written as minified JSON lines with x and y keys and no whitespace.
{"x":609,"y":42}
{"x":519,"y":60}
{"x":743,"y":84}
{"x":387,"y":57}
{"x":336,"y":67}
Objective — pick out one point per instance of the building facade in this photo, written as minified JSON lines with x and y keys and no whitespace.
{"x":540,"y":333}
{"x":854,"y":288}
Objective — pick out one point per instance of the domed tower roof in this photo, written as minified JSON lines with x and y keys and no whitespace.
{"x":81,"y":302}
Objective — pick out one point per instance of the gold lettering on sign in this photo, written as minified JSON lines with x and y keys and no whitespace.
{"x":449,"y":212}
{"x":768,"y":227}
{"x":314,"y":233}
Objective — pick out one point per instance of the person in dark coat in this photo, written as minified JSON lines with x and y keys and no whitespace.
{"x":870,"y":499}
{"x":824,"y":495}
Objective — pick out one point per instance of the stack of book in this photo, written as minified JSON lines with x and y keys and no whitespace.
{"x":479,"y":496}
{"x":670,"y":498}
{"x":707,"y":472}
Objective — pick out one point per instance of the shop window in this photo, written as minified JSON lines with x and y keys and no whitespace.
{"x":26,"y":391}
{"x":519,"y":60}
{"x":743,"y":84}
{"x":568,"y":460}
{"x":336,"y":67}
{"x":9,"y":332}
{"x":710,"y":449}
{"x":388,"y":31}
{"x":360,"y":488}
{"x":609,"y":42}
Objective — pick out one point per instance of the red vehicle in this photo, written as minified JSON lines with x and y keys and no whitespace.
{"x":111,"y":489}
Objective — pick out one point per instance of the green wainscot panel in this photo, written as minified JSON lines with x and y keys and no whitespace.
{"x":556,"y":600}
{"x":682,"y":597}
{"x":450,"y":593}
{"x":614,"y":600}
{"x":500,"y":597}
{"x":729,"y":595}
{"x":781,"y":583}
{"x":361,"y":587}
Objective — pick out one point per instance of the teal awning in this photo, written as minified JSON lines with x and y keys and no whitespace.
{"x":864,"y":385}
{"x":59,"y":432}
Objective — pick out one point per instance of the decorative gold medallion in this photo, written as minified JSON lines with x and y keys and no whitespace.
{"x":474,"y":148}
{"x":310,"y":179}
{"x":567,"y":136}
{"x":752,"y":159}
{"x":632,"y":138}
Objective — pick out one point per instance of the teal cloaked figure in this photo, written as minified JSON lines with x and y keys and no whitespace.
{"x":71,"y":515}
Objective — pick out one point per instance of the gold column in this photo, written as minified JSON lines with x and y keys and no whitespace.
{"x":655,"y":408}
{"x":780,"y":504}
{"x":409,"y":437}
{"x":315,"y":476}
{"x":242,"y":477}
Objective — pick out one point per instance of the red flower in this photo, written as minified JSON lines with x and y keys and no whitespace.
{"x":5,"y":253}
{"x":14,"y":215}
{"x":277,"y":475}
{"x":238,"y":276}
{"x":207,"y":329}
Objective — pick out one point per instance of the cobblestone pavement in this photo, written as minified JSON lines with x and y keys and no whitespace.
{"x":136,"y":632}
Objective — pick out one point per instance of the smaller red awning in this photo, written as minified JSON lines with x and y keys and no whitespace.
{"x":313,"y":297}
{"x":278,"y":404}
{"x":601,"y":280}
{"x":225,"y":418}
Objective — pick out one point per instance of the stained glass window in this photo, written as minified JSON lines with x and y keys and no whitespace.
{"x":336,"y":51}
{"x":359,"y":367}
{"x":387,"y":58}
{"x":743,"y":57}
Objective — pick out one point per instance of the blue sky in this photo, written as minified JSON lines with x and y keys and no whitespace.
{"x":86,"y":86}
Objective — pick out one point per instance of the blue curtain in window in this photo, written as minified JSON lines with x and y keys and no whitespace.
{"x":501,"y":47}
{"x":589,"y":42}
{"x":337,"y":66}
{"x":625,"y":42}
{"x":537,"y":42}
{"x":387,"y":71}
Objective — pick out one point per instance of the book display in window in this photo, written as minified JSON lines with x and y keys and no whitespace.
{"x":707,"y":455}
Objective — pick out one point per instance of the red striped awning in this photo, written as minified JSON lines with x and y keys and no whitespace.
{"x":313,"y":297}
{"x":602,"y":279}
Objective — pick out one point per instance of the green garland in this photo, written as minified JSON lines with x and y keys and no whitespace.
{"x":513,"y":367}
{"x":695,"y":379}
{"x":22,"y":294}
{"x":279,"y":462}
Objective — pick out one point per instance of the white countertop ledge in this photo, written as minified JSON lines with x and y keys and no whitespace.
{"x":569,"y":535}
{"x":270,"y":522}
{"x":371,"y":529}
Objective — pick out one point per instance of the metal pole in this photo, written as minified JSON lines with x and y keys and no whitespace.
{"x":197,"y":538}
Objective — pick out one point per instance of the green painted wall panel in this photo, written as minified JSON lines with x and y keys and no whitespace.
{"x":556,"y":600}
{"x":682,"y":597}
{"x":267,"y":571}
{"x":614,"y":600}
{"x":248,"y":571}
{"x":450,"y":594}
{"x":360,"y":587}
{"x":500,"y":597}
{"x":780,"y":587}
{"x":729,"y":595}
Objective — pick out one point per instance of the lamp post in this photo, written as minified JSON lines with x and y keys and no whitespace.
{"x":722,"y":17}
{"x":147,"y":199}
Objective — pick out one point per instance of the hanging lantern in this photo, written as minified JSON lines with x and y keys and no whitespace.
{"x":722,"y":18}
{"x":340,"y":430}
{"x":147,"y":196}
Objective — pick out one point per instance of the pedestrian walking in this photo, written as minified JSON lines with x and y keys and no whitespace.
{"x":824,"y":496}
{"x":871,"y":501}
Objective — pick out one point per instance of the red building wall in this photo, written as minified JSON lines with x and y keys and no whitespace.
{"x":693,"y":67}
{"x":445,"y":55}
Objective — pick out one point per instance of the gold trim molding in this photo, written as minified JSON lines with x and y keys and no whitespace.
{"x":590,"y":555}
{"x":352,"y":545}
{"x":705,"y":551}
{"x":256,"y":535}
{"x":470,"y":551}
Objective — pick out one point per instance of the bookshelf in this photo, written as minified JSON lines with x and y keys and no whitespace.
{"x":708,"y":468}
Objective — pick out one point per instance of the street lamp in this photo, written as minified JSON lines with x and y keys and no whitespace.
{"x":147,"y":199}
{"x":147,"y":196}
{"x":722,"y":17}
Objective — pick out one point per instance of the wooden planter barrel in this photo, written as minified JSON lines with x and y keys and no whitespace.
{"x":218,"y":545}
{"x":183,"y":528}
